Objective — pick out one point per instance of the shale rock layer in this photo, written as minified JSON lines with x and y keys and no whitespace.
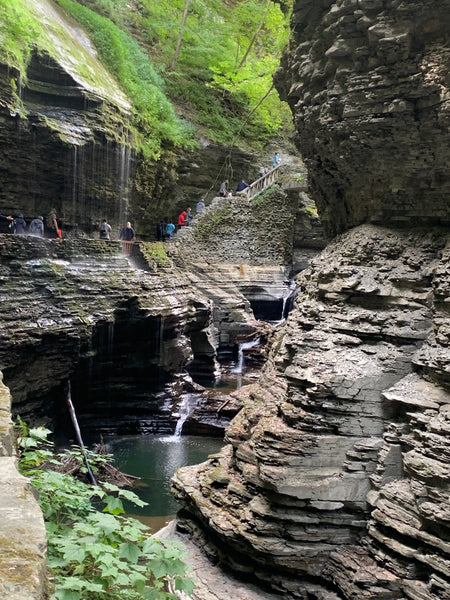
{"x":334,"y":484}
{"x":368,"y":85}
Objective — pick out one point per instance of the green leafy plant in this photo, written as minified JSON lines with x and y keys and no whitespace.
{"x":155,"y":252}
{"x":94,"y":551}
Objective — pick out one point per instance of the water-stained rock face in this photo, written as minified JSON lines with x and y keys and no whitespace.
{"x":80,"y":310}
{"x":368,"y":84}
{"x":334,"y":484}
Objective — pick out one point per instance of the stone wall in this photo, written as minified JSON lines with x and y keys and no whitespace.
{"x":367,"y":82}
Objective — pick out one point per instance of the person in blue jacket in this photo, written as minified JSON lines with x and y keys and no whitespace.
{"x":241,"y":186}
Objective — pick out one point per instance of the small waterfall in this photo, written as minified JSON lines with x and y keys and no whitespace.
{"x":241,"y":357}
{"x":124,"y":157}
{"x":286,"y":297}
{"x":184,"y":412}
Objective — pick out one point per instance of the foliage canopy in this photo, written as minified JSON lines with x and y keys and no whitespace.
{"x":221,"y":85}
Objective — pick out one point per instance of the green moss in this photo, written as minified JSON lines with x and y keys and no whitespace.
{"x":155,"y":252}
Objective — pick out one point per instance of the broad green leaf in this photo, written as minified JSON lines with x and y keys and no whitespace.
{"x":129,"y":552}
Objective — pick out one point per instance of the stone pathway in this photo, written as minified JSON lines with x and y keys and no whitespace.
{"x":212,"y":582}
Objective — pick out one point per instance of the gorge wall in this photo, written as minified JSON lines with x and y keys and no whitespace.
{"x":367,"y":82}
{"x":335,"y":484}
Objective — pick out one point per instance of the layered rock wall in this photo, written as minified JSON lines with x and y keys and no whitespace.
{"x":81,"y":310}
{"x":334,"y":485}
{"x":367,"y":82}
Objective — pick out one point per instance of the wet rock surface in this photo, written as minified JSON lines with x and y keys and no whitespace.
{"x":336,"y":465}
{"x":81,"y":310}
{"x":23,"y":539}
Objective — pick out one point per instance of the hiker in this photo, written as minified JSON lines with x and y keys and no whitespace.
{"x":104,"y":230}
{"x":182,"y":219}
{"x":36,"y":227}
{"x":127,"y":235}
{"x":242,"y":185}
{"x":19,"y":225}
{"x":223,"y":188}
{"x":276,"y":160}
{"x":51,"y":225}
{"x":188,"y":217}
{"x":200,"y":206}
{"x":170,"y":228}
{"x":161,"y":232}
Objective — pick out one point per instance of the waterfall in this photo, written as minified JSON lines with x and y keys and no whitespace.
{"x":124,"y":157}
{"x":242,"y":347}
{"x":183,"y":414}
{"x":286,"y":297}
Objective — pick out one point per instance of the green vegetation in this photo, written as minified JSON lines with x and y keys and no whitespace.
{"x":155,"y":252}
{"x":269,"y":197}
{"x":18,"y":31}
{"x":219,"y":84}
{"x":94,"y":552}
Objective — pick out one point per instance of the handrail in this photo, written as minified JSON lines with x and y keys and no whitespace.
{"x":259,"y":185}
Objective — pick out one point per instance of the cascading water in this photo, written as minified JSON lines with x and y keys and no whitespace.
{"x":287,"y":296}
{"x":241,"y":357}
{"x":185,"y":410}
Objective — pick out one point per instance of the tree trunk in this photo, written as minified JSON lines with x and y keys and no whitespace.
{"x":180,"y":35}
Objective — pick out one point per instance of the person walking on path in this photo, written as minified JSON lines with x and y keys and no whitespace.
{"x":188,"y":217}
{"x":276,"y":160}
{"x":170,"y":228}
{"x":19,"y":225}
{"x":36,"y":227}
{"x":104,"y":230}
{"x":127,"y":235}
{"x":200,"y":207}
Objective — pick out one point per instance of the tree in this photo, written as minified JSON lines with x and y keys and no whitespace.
{"x":180,"y":35}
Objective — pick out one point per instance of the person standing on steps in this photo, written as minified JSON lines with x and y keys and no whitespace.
{"x":51,"y":225}
{"x":188,"y":217}
{"x":161,"y":232}
{"x":36,"y":227}
{"x":200,"y":207}
{"x":276,"y":160}
{"x":104,"y":230}
{"x":223,"y":188}
{"x":242,"y":185}
{"x":19,"y":225}
{"x":182,"y":219}
{"x":170,"y":228}
{"x":127,"y":235}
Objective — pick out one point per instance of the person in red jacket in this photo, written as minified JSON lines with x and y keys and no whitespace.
{"x":182,"y":219}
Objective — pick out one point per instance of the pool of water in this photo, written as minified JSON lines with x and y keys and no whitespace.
{"x":155,"y":459}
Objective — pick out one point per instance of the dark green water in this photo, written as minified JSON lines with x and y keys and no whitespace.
{"x":155,"y":459}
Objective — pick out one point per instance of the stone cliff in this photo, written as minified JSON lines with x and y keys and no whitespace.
{"x":80,"y":310}
{"x":367,"y":82}
{"x":334,"y":484}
